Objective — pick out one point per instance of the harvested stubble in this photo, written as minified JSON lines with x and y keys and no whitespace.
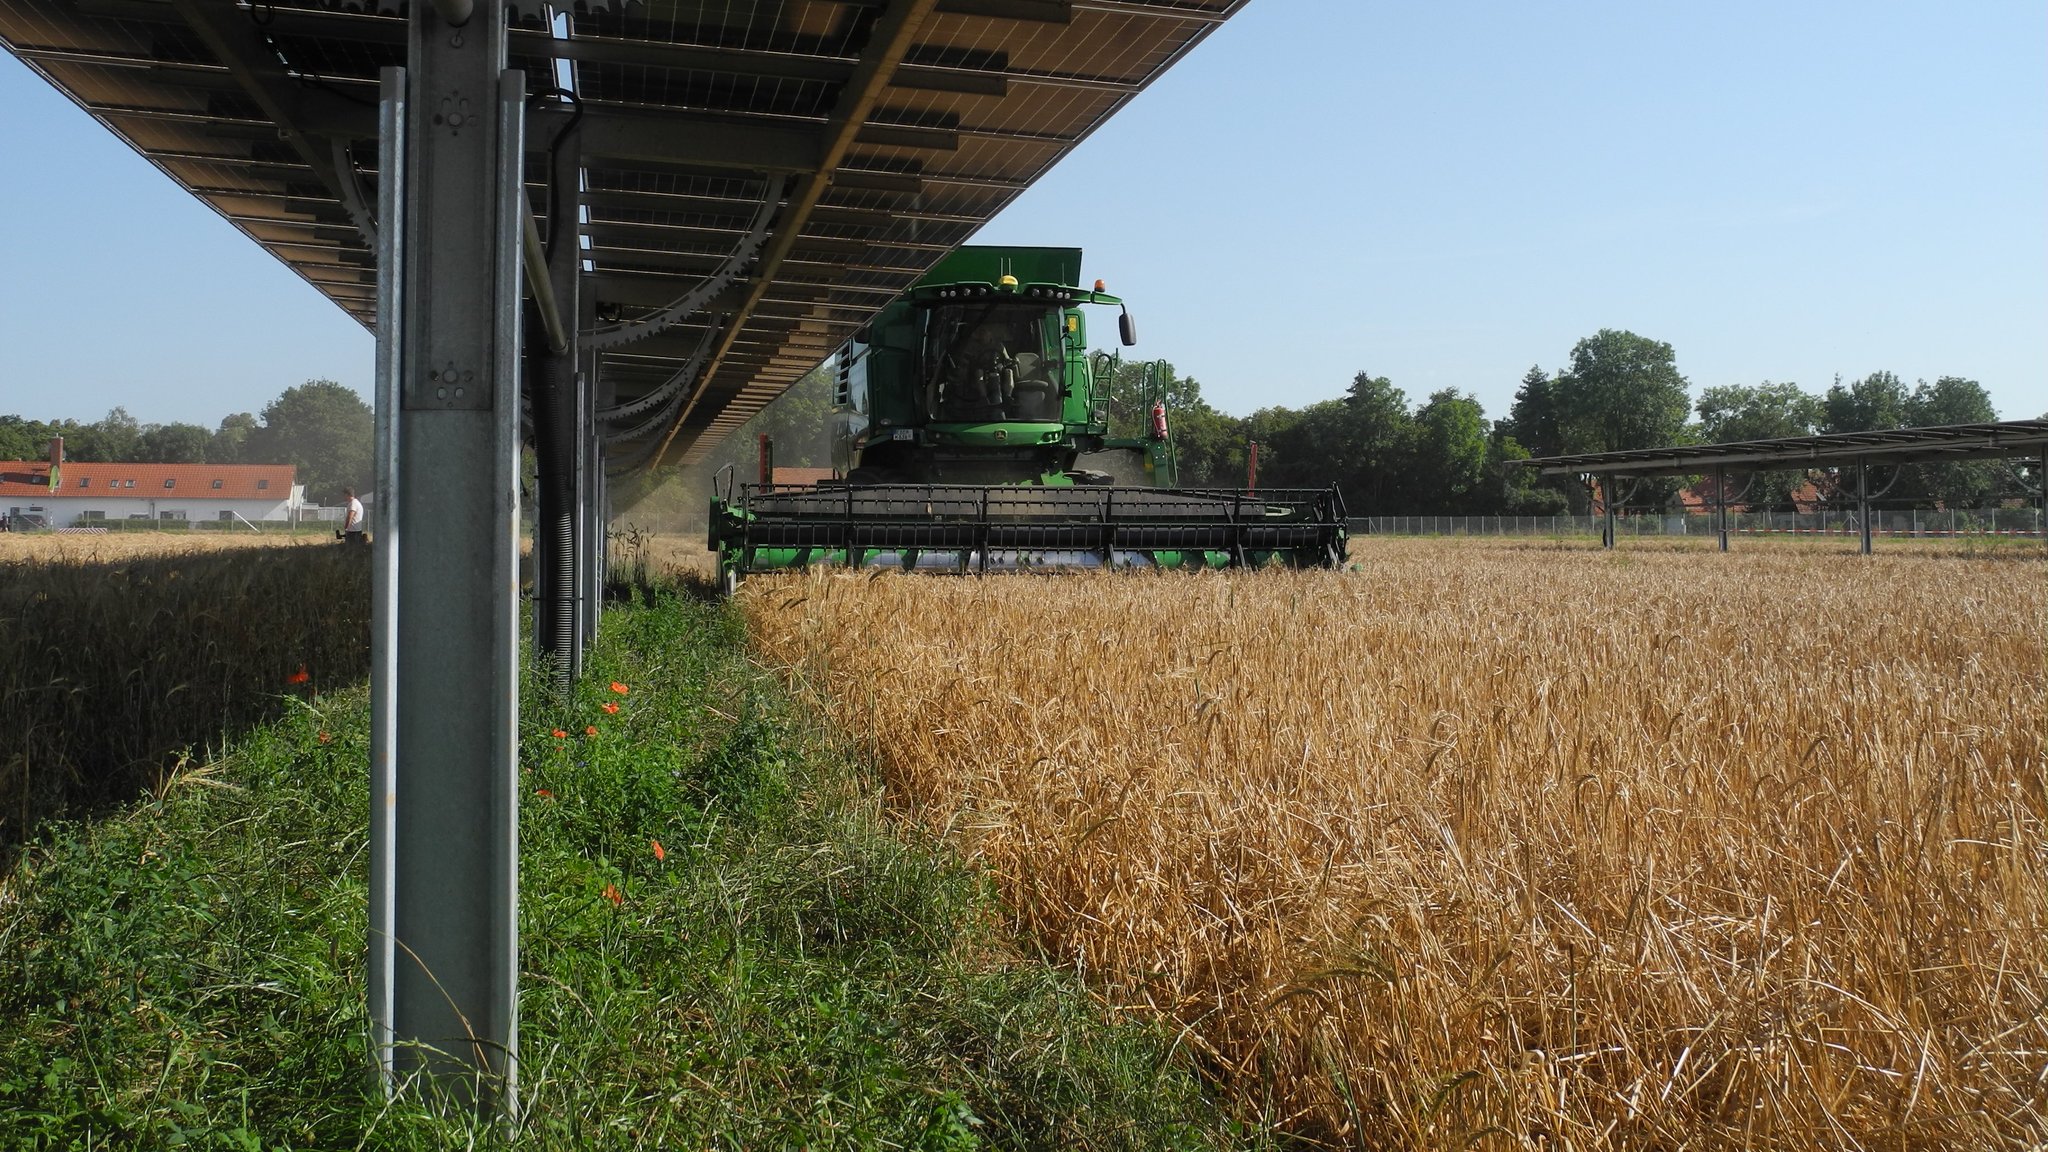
{"x":1537,"y":849}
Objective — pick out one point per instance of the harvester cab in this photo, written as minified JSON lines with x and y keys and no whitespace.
{"x":969,"y":420}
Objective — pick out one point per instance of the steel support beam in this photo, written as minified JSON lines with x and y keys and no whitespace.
{"x":1607,"y":533}
{"x":1721,"y":505}
{"x":594,"y":522}
{"x":385,"y":533}
{"x":1863,"y":505}
{"x":559,"y":415}
{"x":445,"y":962}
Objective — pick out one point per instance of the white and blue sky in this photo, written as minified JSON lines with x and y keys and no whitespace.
{"x":1441,"y":193}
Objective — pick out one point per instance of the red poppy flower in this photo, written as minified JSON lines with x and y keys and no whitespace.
{"x":621,"y":689}
{"x":658,"y":853}
{"x":299,"y":677}
{"x":561,"y":735}
{"x":611,"y":893}
{"x":543,"y":793}
{"x":591,"y":730}
{"x":612,"y":706}
{"x":324,"y":738}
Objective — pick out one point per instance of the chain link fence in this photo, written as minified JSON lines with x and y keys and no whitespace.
{"x":1909,"y":522}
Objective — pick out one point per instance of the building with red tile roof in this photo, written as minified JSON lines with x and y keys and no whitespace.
{"x":85,"y":493}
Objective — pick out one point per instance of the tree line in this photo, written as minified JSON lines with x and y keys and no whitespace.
{"x":1442,"y":456}
{"x":320,"y":427}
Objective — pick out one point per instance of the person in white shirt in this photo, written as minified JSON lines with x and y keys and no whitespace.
{"x":352,"y":523}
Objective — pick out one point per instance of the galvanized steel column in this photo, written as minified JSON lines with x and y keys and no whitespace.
{"x":446,"y":931}
{"x":1721,"y":504}
{"x":1863,"y":504}
{"x":593,"y":520}
{"x":391,"y":196}
{"x":559,"y":430}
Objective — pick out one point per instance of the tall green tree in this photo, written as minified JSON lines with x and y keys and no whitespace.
{"x":111,"y":439}
{"x":1875,"y":402}
{"x":1535,"y":425}
{"x":1880,"y":401}
{"x":24,"y":439}
{"x":173,"y":444}
{"x":1955,"y":400}
{"x":1447,"y":456}
{"x":1622,"y":391}
{"x":325,"y":430}
{"x":231,"y":440}
{"x":1513,"y":490}
{"x":1208,"y":446}
{"x":1372,"y":445}
{"x":1950,"y":400}
{"x":1737,"y":412}
{"x":1534,"y":419}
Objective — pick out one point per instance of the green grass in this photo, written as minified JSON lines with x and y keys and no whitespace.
{"x":795,"y":974}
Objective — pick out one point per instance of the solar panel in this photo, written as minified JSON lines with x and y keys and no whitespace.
{"x":899,"y":129}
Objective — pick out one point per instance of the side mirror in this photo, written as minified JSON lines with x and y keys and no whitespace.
{"x":1127,"y":328}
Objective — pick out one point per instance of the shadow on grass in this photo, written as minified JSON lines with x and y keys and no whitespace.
{"x":111,"y":672}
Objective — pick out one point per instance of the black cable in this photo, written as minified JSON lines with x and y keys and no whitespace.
{"x":555,"y":221}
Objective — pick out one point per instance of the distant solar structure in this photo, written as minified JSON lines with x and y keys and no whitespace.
{"x":1947,"y":442}
{"x":2004,"y":439}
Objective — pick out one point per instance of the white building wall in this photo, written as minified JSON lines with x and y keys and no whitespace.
{"x":66,"y":512}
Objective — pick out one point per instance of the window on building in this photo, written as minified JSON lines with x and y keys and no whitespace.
{"x":170,"y":483}
{"x":262,"y":484}
{"x":92,"y":514}
{"x":216,"y":485}
{"x":127,"y":483}
{"x":85,"y":481}
{"x":225,"y":514}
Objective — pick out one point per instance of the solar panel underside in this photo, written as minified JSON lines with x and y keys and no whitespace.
{"x":692,"y":110}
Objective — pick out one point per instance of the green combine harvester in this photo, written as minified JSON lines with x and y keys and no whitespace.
{"x":963,"y":412}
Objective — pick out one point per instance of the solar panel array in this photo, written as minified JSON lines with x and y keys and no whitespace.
{"x":1940,"y":443}
{"x":888,"y":131}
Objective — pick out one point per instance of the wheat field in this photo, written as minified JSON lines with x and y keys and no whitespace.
{"x":123,"y":655}
{"x":38,"y":547}
{"x":1480,"y":846}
